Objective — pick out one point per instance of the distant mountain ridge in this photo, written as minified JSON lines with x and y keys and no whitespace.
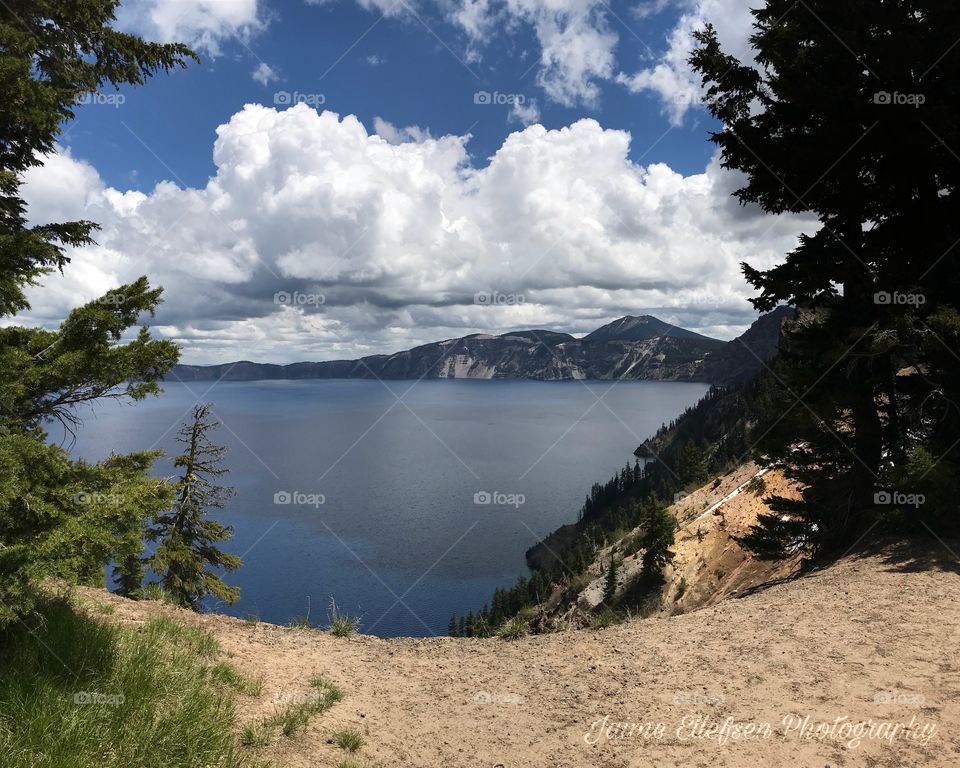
{"x":633,"y":347}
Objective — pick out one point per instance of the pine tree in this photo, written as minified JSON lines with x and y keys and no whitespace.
{"x":869,"y":377}
{"x":693,"y":464}
{"x":659,"y":528}
{"x":60,"y":517}
{"x":185,"y":556}
{"x":452,"y":629}
{"x":128,"y":575}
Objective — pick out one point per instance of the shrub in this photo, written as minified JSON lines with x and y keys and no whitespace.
{"x":513,"y":629}
{"x":681,"y":588}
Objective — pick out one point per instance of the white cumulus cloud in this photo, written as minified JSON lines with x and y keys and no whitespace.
{"x":203,"y":24}
{"x":671,"y":76}
{"x":398,"y":231}
{"x":264,"y":74}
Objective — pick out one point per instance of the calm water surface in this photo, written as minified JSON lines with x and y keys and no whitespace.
{"x":398,"y":539}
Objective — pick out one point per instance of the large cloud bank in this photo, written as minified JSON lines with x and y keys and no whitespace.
{"x":319,"y":239}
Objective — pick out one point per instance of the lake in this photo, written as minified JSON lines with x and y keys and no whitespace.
{"x":402,"y":500}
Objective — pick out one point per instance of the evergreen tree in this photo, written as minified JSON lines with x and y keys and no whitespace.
{"x":128,"y":576}
{"x":186,"y":557}
{"x":869,"y":380}
{"x":659,"y":528}
{"x":693,"y":464}
{"x":452,"y":628}
{"x":57,"y":516}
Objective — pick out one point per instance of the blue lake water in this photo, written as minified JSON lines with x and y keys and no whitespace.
{"x":398,"y":538}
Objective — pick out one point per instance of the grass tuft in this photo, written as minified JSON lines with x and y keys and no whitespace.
{"x":227,"y":675}
{"x":606,"y":618}
{"x":293,"y":718}
{"x":341,"y":625}
{"x":257,"y":735}
{"x":349,"y":739}
{"x":344,"y":626}
{"x":513,"y":629}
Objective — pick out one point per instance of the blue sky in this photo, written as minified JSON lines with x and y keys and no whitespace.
{"x":551,"y":153}
{"x":408,"y":71}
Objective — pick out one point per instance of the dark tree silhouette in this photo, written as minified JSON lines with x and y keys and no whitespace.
{"x":849,"y":114}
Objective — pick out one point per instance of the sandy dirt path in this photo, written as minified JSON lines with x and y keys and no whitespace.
{"x":872,"y":639}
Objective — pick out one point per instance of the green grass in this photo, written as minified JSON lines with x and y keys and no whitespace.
{"x":257,"y":735}
{"x":344,"y":626}
{"x":340,"y":624}
{"x":184,"y":636}
{"x":154,"y":591}
{"x":95,"y":606}
{"x":300,"y":622}
{"x":227,"y":675}
{"x":513,"y":629}
{"x":606,"y":618}
{"x":349,"y":739}
{"x":75,"y":693}
{"x":289,"y":719}
{"x":293,"y":718}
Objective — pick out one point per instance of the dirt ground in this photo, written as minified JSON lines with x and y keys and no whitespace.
{"x":854,"y":665}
